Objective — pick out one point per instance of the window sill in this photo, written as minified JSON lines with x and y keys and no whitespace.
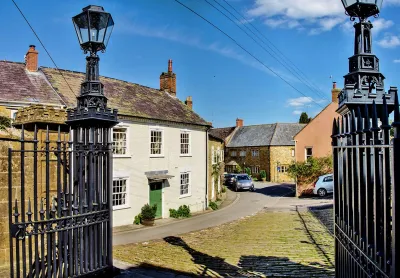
{"x":156,"y":156}
{"x":122,"y":156}
{"x":185,"y":196}
{"x":121,"y":207}
{"x":185,"y":155}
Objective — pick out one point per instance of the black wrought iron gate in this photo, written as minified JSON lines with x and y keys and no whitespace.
{"x":366,"y":172}
{"x":60,"y":203}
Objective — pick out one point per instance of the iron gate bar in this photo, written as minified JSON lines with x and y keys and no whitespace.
{"x":364,"y":192}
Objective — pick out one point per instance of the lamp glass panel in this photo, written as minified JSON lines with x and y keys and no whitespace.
{"x":110,"y":27}
{"x":98,"y":25}
{"x":81,"y":27}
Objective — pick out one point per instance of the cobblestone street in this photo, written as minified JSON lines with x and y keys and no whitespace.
{"x":288,"y":243}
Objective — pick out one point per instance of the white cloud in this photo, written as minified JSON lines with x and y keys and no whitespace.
{"x":396,"y":61}
{"x":297,"y":112}
{"x":381,"y":24}
{"x":300,"y":101}
{"x":389,"y":41}
{"x":245,"y":21}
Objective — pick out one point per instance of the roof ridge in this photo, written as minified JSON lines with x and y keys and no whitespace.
{"x":12,"y":62}
{"x":111,"y":78}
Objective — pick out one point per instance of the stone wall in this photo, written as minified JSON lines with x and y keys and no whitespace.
{"x":216,"y":144}
{"x":281,"y":156}
{"x":262,"y":160}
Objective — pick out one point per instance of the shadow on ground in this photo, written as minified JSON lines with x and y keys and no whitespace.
{"x":279,"y":190}
{"x":248,"y":266}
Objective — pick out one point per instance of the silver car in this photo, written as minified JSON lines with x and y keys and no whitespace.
{"x":243,"y":181}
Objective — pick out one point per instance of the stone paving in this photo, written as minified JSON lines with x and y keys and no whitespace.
{"x":268,"y":244}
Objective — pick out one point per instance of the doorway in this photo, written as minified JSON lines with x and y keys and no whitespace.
{"x":156,"y":197}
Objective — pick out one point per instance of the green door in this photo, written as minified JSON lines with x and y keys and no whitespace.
{"x":156,"y":197}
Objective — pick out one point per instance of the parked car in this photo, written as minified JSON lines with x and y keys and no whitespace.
{"x":243,"y":181}
{"x":323,"y":185}
{"x":229,"y":179}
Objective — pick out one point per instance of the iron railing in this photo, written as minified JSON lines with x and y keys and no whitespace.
{"x":59,"y":203}
{"x":366,"y":170}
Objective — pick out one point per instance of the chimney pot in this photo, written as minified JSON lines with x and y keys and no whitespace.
{"x":31,"y":59}
{"x":189,"y":102}
{"x":335,"y":93}
{"x":168,"y":80}
{"x":334,"y":85}
{"x":239,"y":122}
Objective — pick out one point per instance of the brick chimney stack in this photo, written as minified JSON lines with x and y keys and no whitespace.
{"x":189,"y":102}
{"x":239,"y":122}
{"x":31,"y":59}
{"x":168,"y":80}
{"x":335,"y":93}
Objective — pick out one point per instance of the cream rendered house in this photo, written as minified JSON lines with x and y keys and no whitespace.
{"x":160,"y":144}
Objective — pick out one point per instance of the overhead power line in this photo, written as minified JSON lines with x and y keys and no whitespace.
{"x":248,"y":52}
{"x":45,"y":49}
{"x":278,"y":52}
{"x":273,"y":55}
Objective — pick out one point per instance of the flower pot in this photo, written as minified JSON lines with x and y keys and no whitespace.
{"x":264,"y":179}
{"x":148,"y":222}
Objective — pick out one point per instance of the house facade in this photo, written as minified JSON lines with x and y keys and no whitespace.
{"x":160,"y":144}
{"x":315,"y":138}
{"x":215,"y":166}
{"x":268,"y":147}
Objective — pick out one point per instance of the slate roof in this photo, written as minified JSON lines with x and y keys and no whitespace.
{"x":47,"y":86}
{"x":129,"y":98}
{"x":284,"y":134}
{"x":221,"y":133}
{"x":17,"y":84}
{"x":278,"y":134}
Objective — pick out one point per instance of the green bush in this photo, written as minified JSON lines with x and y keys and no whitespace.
{"x":248,"y":171}
{"x":149,"y":212}
{"x":182,"y":212}
{"x":138,"y":219}
{"x":263,"y":174}
{"x":4,"y":122}
{"x":223,"y":190}
{"x":238,"y":169}
{"x":307,"y":172}
{"x":213,"y":205}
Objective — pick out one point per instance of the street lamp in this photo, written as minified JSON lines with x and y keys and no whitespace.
{"x":91,"y":123}
{"x":362,"y":8}
{"x":364,"y":83}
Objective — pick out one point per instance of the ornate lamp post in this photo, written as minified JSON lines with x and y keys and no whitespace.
{"x":364,"y":83}
{"x":91,"y":123}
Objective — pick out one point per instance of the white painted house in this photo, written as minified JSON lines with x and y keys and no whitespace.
{"x":160,"y":144}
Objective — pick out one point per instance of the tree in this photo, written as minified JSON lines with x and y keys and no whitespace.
{"x":304,"y":119}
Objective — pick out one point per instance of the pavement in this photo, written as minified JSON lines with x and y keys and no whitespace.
{"x":270,"y":196}
{"x":266,"y":233}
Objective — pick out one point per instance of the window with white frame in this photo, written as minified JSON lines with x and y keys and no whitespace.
{"x":185,"y":143}
{"x":156,"y":142}
{"x":13,"y":114}
{"x":120,"y":190}
{"x":233,"y":153}
{"x":242,"y":153}
{"x":308,"y":153}
{"x":213,"y":155}
{"x":293,"y":153}
{"x":222,"y":156}
{"x":185,"y":184}
{"x":120,"y":140}
{"x":255,"y":169}
{"x":283,"y":169}
{"x":255,"y":153}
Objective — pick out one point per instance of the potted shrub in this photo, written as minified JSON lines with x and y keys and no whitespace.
{"x":148,"y":214}
{"x":263,"y":175}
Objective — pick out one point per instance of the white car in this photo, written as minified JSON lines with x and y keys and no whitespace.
{"x":323,"y":185}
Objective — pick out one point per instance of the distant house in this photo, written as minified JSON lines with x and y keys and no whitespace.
{"x":315,"y":138}
{"x":268,"y":147}
{"x":160,"y":144}
{"x":215,"y":166}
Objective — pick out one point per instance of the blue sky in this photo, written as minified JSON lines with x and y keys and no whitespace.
{"x":224,"y":80}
